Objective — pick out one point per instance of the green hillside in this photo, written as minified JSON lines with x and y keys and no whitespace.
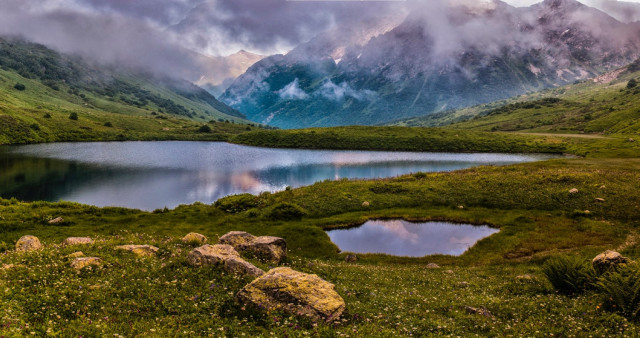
{"x":41,"y":89}
{"x":609,"y":105}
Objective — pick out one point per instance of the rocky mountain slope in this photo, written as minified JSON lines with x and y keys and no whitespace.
{"x":437,"y":59}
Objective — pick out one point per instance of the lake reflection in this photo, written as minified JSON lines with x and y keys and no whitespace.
{"x":150,"y":175}
{"x":403,"y":238}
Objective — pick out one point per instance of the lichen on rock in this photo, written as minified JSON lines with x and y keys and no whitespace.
{"x":28,"y":243}
{"x":222,"y":255}
{"x":294,"y":292}
{"x":140,"y":250}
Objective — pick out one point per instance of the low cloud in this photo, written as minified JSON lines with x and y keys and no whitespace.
{"x":336,"y":92}
{"x":292,"y":91}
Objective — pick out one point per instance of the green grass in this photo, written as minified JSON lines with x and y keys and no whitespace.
{"x":609,"y":108}
{"x":385,"y":295}
{"x":49,"y":110}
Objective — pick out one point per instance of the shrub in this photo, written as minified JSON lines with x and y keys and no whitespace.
{"x":621,"y":291}
{"x":632,"y":83}
{"x":20,"y":86}
{"x":35,"y":126}
{"x":204,"y":129}
{"x":47,"y":116}
{"x":569,"y":275}
{"x":237,"y":203}
{"x":108,"y":124}
{"x":73,"y":116}
{"x":286,"y":211}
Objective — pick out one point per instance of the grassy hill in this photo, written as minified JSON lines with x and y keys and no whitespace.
{"x":609,"y":105}
{"x":41,"y":89}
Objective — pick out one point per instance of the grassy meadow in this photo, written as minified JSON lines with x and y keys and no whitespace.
{"x":160,"y":296}
{"x":504,"y":275}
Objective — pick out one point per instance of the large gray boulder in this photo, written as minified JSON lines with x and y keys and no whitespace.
{"x":236,"y":238}
{"x":294,"y":292}
{"x":225,"y":256}
{"x":264,"y":247}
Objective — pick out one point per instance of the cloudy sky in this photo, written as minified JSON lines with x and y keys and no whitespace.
{"x":164,"y":34}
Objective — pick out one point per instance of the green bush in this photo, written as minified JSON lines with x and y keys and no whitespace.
{"x":108,"y":124}
{"x":569,"y":275}
{"x":35,"y":126}
{"x":20,"y":87}
{"x":204,"y":129}
{"x":237,"y":203}
{"x":286,"y":211}
{"x":73,"y":116}
{"x":620,"y":291}
{"x":47,"y":116}
{"x":632,"y":83}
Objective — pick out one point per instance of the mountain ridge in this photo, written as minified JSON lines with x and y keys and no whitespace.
{"x":410,"y":70}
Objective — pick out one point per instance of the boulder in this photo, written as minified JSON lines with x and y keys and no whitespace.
{"x":77,"y":241}
{"x":56,"y":220}
{"x":294,"y":292}
{"x":140,"y":250}
{"x":82,"y":262}
{"x":235,"y":238}
{"x":194,"y":237}
{"x":608,"y":260}
{"x":366,"y":204}
{"x":222,"y":255}
{"x":28,"y":243}
{"x":351,"y":258}
{"x":266,"y":247}
{"x":600,"y":200}
{"x":433,"y":266}
{"x":574,"y":191}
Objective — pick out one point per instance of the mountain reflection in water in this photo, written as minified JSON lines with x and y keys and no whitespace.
{"x":150,"y":175}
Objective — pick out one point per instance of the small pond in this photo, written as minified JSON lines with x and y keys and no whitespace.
{"x":403,"y":238}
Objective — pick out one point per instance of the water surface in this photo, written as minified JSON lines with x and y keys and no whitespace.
{"x":403,"y":238}
{"x":150,"y":175}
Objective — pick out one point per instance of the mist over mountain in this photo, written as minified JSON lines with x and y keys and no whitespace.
{"x":442,"y":56}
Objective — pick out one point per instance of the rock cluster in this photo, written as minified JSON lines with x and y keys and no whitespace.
{"x":278,"y":289}
{"x":264,"y":247}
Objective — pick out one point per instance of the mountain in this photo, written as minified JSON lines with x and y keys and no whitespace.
{"x":608,"y":104}
{"x":436,"y":60}
{"x":46,"y":96}
{"x":73,"y":76}
{"x":621,"y":10}
{"x":221,"y":71}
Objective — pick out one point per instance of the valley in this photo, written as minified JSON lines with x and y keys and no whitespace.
{"x":451,"y":168}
